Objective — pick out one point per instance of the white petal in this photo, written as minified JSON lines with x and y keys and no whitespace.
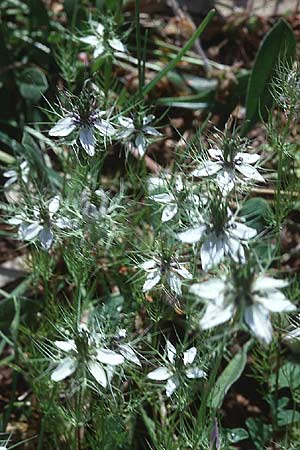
{"x":17,"y":220}
{"x":100,"y":29}
{"x":268,"y":283}
{"x":64,"y":369}
{"x":29,"y":232}
{"x":275,"y":302}
{"x":116,"y":44}
{"x":141,"y":144}
{"x":66,"y":346}
{"x":126,"y":122}
{"x":195,"y":372}
{"x":242,"y":231}
{"x":148,"y":119}
{"x":151,"y":131}
{"x":226,"y":181}
{"x":247,"y":158}
{"x":99,"y":50}
{"x":169,"y":212}
{"x":174,"y":282}
{"x":216,"y":153}
{"x":87,"y":140}
{"x":189,"y":355}
{"x":46,"y":238}
{"x":212,"y":252}
{"x":110,"y":357}
{"x":129,"y":354}
{"x":171,"y":351}
{"x":53,"y":205}
{"x":216,"y":313}
{"x":234,"y":249}
{"x":163,"y":198}
{"x":149,"y":264}
{"x":97,"y":372}
{"x":258,"y":320}
{"x":192,"y":235}
{"x":10,"y":173}
{"x":184,"y":273}
{"x":172,"y":385}
{"x":209,"y":289}
{"x":249,"y":172}
{"x":63,"y":128}
{"x":90,"y":40}
{"x":105,"y":128}
{"x":152,"y":280}
{"x":160,"y":374}
{"x":207,"y":169}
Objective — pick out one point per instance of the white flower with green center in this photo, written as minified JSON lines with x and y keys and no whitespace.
{"x":13,"y":174}
{"x":101,"y":43}
{"x":137,"y":137}
{"x":217,"y":242}
{"x":39,"y":226}
{"x":84,"y":125}
{"x":169,"y":270}
{"x":259,"y":298}
{"x":227,"y":172}
{"x":171,"y":372}
{"x":85,"y":351}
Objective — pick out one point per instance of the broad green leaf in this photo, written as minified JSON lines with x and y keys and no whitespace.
{"x":279,"y":44}
{"x":229,"y":376}
{"x":287,"y":416}
{"x":32,"y":84}
{"x":260,"y":432}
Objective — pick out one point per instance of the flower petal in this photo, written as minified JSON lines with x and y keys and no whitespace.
{"x":192,"y":235}
{"x":116,"y":44}
{"x":110,"y":357}
{"x":216,"y":153}
{"x":247,"y":158}
{"x":65,"y":368}
{"x":87,"y":140}
{"x":151,"y":131}
{"x":129,"y":354}
{"x":160,"y":374}
{"x":54,"y":204}
{"x":207,"y":169}
{"x":66,"y":346}
{"x":63,"y":127}
{"x":212,"y":251}
{"x":29,"y":231}
{"x":164,"y":198}
{"x":242,"y":231}
{"x":46,"y":238}
{"x":141,"y":144}
{"x":169,"y":212}
{"x":189,"y":356}
{"x":249,"y":172}
{"x":275,"y":301}
{"x":171,"y":351}
{"x":152,"y":280}
{"x":90,"y":40}
{"x":172,"y":385}
{"x":209,"y":289}
{"x":98,"y":373}
{"x":149,"y":264}
{"x":195,"y":372}
{"x":264,"y":283}
{"x":99,"y":50}
{"x":174,"y":282}
{"x":258,"y":320}
{"x":216,"y":313}
{"x":105,"y":128}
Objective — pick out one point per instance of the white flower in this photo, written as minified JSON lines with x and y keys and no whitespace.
{"x":137,"y":137}
{"x":170,"y":271}
{"x":217,"y":243}
{"x":85,"y":127}
{"x":40,"y":225}
{"x":170,"y":371}
{"x":99,"y":42}
{"x":169,"y":200}
{"x":98,"y":360}
{"x":13,"y":175}
{"x":258,"y":301}
{"x":226,"y":171}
